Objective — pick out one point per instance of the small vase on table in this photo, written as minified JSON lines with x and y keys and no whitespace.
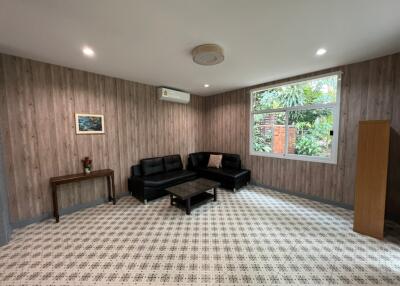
{"x":87,"y":165}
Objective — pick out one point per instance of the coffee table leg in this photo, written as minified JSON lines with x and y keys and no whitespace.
{"x":172,"y":199}
{"x":215,"y":194}
{"x":188,"y":206}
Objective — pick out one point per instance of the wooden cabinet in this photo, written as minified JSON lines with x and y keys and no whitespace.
{"x":371,"y":177}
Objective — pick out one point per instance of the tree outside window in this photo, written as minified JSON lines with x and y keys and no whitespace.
{"x":296,"y":119}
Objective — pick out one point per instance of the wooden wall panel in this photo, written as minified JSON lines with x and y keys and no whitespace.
{"x":38,"y":103}
{"x":370,"y":91}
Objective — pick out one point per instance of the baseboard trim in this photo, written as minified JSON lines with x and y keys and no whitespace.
{"x":306,"y":196}
{"x":64,"y":211}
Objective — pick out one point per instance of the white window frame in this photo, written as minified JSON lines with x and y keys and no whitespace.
{"x":335,"y":107}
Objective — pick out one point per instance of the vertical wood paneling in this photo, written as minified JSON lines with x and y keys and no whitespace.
{"x":370,"y":91}
{"x":38,"y":106}
{"x":38,"y":102}
{"x":6,"y":138}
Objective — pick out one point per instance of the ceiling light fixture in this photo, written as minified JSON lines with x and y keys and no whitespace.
{"x":208,"y":54}
{"x":206,"y":85}
{"x":321,"y":52}
{"x":87,"y":51}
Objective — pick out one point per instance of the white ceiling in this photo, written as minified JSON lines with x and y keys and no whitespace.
{"x":149,"y":41}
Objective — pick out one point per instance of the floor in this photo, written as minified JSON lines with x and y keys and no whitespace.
{"x":253,"y":237}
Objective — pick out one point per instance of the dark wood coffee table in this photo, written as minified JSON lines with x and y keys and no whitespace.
{"x":192,"y":193}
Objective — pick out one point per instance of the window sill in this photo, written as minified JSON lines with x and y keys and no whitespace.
{"x":295,"y":157}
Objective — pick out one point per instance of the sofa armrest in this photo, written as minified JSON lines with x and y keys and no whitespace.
{"x":137,"y":188}
{"x":136,"y":170}
{"x":135,"y":185}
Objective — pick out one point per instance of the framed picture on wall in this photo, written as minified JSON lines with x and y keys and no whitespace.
{"x":89,"y":123}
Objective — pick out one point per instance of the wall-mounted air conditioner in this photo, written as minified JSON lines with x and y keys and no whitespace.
{"x":173,"y":95}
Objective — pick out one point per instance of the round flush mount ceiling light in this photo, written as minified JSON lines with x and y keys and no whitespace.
{"x":321,"y":52}
{"x":208,"y":54}
{"x":87,"y":51}
{"x":206,"y":85}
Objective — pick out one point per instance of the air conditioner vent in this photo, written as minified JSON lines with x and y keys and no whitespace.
{"x":173,"y":95}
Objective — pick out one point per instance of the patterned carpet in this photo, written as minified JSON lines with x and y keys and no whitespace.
{"x":252,"y":237}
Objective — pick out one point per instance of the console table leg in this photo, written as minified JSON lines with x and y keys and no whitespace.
{"x":109,"y":188}
{"x":113,"y":188}
{"x":188,"y":206}
{"x":55,"y":203}
{"x":215,"y":194}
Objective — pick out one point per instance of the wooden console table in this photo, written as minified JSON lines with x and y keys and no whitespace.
{"x":55,"y":181}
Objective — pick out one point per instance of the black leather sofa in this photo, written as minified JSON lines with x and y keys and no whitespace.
{"x":231,"y":175}
{"x":152,"y":176}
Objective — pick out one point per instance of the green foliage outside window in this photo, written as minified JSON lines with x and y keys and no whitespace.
{"x":313,"y":126}
{"x":261,"y":142}
{"x":262,"y":138}
{"x":316,"y":138}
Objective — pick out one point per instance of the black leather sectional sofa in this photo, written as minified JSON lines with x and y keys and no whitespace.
{"x":231,"y":175}
{"x":152,"y":176}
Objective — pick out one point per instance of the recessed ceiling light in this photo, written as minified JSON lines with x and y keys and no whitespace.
{"x":321,"y":52}
{"x":206,"y":85}
{"x":87,"y":51}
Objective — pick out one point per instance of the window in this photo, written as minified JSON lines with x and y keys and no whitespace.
{"x":297,"y":120}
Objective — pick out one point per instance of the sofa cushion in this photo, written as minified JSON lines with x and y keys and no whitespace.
{"x":202,"y":159}
{"x":231,"y":161}
{"x":152,"y":166}
{"x":173,"y":163}
{"x":199,"y":159}
{"x":223,"y":173}
{"x":168,"y":178}
{"x":214,"y":161}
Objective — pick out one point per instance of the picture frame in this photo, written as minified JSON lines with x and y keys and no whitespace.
{"x":89,"y":123}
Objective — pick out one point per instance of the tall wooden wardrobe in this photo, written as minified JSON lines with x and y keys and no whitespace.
{"x":371,"y":177}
